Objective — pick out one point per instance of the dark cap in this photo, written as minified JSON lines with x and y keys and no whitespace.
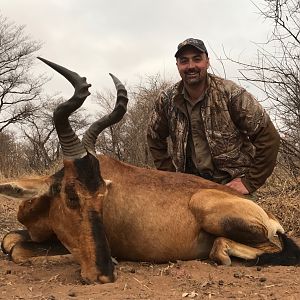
{"x":198,"y":44}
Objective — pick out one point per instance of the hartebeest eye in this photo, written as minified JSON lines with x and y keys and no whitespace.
{"x":72,"y":198}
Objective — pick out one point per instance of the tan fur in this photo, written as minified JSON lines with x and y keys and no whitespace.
{"x":174,"y":202}
{"x":224,"y":248}
{"x":149,"y":215}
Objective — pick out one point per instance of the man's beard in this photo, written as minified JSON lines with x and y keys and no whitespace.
{"x":193,"y":78}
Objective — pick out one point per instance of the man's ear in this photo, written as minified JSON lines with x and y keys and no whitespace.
{"x":208,"y":62}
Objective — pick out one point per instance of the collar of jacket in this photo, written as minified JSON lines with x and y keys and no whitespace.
{"x":179,"y":101}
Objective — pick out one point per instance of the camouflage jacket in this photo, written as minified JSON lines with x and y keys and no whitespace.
{"x":232,"y":120}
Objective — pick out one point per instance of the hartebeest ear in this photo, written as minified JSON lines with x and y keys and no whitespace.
{"x":23,"y":189}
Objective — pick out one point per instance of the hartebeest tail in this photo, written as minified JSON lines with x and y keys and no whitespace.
{"x":289,"y":256}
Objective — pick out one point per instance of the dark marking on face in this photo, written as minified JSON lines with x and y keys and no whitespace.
{"x":88,"y":171}
{"x":103,"y":256}
{"x":240,"y":231}
{"x":73,"y":200}
{"x":55,"y":187}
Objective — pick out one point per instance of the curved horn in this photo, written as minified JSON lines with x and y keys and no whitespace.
{"x":90,"y":136}
{"x":71,"y":146}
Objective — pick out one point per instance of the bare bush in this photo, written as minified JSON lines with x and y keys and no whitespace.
{"x":36,"y":149}
{"x":18,"y":87}
{"x":276,"y":73}
{"x":41,"y":145}
{"x":127,"y":139}
{"x":12,"y":161}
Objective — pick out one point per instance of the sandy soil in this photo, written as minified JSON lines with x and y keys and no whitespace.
{"x":180,"y":280}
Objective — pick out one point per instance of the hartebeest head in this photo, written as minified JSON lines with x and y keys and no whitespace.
{"x":77,"y":191}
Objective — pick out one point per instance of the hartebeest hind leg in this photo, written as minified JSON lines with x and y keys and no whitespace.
{"x":21,"y":249}
{"x":243,"y":229}
{"x":223,"y":248}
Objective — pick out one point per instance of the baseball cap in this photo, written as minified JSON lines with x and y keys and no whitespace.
{"x":198,"y":44}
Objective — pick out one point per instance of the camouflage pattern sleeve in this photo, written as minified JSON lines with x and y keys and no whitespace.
{"x":266,"y":142}
{"x":247,"y":113}
{"x":252,"y":120}
{"x":158,"y":131}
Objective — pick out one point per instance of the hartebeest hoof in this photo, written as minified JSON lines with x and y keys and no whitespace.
{"x":12,"y":238}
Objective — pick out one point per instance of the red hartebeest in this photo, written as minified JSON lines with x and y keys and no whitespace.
{"x":97,"y":207}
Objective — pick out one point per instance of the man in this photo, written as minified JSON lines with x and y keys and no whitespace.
{"x":217,"y":129}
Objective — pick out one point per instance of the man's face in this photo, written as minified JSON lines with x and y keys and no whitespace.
{"x":192,"y":66}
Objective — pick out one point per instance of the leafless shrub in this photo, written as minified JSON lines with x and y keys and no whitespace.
{"x":276,"y":73}
{"x":127,"y":139}
{"x":42,"y":149}
{"x":12,"y":161}
{"x":18,"y":87}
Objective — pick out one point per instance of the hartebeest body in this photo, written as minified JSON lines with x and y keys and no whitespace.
{"x":133,"y":213}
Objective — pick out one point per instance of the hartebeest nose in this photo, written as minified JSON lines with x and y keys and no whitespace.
{"x":107,"y":279}
{"x":86,"y":279}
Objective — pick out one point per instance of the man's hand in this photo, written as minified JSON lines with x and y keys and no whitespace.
{"x":237,"y":185}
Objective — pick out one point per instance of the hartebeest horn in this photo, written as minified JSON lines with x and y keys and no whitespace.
{"x":71,"y":146}
{"x":90,"y":136}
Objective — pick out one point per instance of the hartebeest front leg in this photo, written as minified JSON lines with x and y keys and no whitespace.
{"x":21,"y":249}
{"x":12,"y":238}
{"x":240,"y":225}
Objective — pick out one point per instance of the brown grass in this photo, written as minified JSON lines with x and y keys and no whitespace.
{"x":281,"y":196}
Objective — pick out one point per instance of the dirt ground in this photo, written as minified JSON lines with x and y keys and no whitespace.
{"x":180,"y":280}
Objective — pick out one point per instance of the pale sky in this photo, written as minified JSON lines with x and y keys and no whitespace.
{"x":134,"y":38}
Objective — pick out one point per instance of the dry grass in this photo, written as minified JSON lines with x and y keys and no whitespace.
{"x":286,"y":208}
{"x":281,"y":196}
